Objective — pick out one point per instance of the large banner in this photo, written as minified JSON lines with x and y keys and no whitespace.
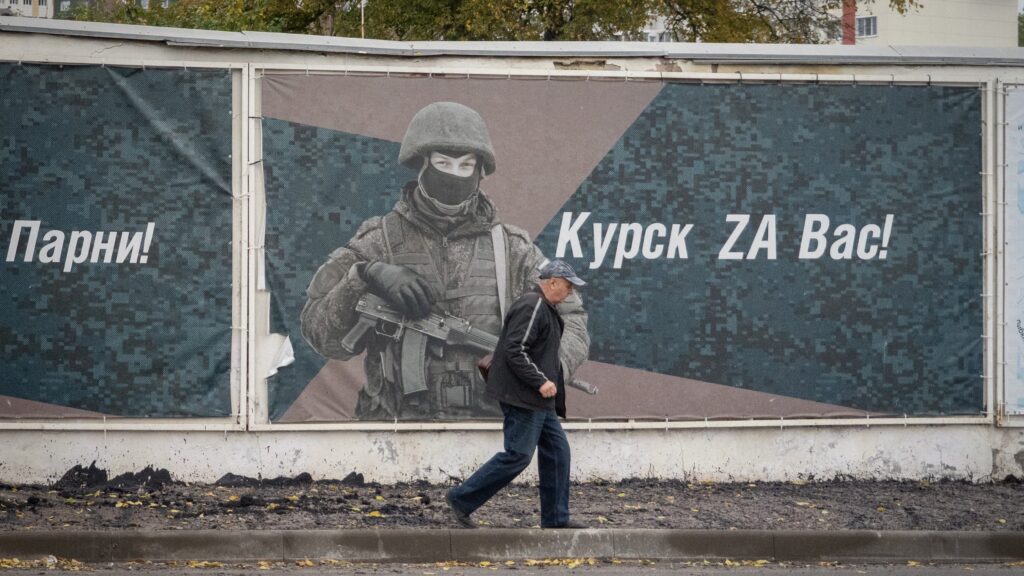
{"x":1013,"y":334}
{"x":751,"y":251}
{"x":115,"y":218}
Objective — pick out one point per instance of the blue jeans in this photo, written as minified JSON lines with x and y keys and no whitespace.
{"x":525,"y":431}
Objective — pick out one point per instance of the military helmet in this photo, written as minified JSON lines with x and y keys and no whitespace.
{"x":446,"y":126}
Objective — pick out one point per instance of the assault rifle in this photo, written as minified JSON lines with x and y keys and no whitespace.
{"x":385,"y":321}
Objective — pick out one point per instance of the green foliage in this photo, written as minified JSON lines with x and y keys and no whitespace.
{"x":232,"y":15}
{"x":806,"y":21}
{"x":496,"y":19}
{"x":1020,"y":29}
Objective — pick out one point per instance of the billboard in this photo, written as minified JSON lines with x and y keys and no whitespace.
{"x":752,"y":251}
{"x":116,"y":214}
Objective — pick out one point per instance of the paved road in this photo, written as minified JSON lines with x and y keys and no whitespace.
{"x":547,"y":568}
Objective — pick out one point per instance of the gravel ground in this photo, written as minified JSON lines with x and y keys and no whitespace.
{"x":86,"y":499}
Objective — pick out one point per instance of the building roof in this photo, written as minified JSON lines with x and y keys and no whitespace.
{"x":697,"y":52}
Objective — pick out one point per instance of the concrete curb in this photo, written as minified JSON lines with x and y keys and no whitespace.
{"x":408,"y":545}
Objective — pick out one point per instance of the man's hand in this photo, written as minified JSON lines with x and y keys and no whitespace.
{"x":407,"y":291}
{"x":548,"y":389}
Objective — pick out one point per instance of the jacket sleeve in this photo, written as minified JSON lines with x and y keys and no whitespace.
{"x":526,"y":320}
{"x":526,"y":258}
{"x":335,"y":290}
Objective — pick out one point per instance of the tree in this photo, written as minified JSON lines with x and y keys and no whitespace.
{"x":233,"y":15}
{"x":496,"y":19}
{"x":807,"y":21}
{"x":1020,"y":29}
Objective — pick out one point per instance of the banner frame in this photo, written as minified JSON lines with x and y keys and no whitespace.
{"x":914,"y":79}
{"x":1003,"y":418}
{"x":260,"y":422}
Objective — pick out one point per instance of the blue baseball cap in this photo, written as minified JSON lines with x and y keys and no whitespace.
{"x":560,"y":269}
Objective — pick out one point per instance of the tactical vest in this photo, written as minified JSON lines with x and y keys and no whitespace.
{"x":461,"y":273}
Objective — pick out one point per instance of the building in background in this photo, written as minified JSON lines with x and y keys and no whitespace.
{"x":932,"y":23}
{"x":30,"y":8}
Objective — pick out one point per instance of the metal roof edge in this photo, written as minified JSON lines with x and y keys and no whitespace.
{"x":717,"y":53}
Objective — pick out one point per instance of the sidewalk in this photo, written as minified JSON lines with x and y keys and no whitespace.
{"x":148,"y":516}
{"x":406,"y":545}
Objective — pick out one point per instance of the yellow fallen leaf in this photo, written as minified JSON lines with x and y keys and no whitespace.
{"x":307,"y":563}
{"x":375,"y":514}
{"x":204,"y":564}
{"x":621,"y":494}
{"x":913,"y":563}
{"x":510,"y":562}
{"x":1001,"y":521}
{"x":264,"y":565}
{"x":233,"y":498}
{"x":378,"y":498}
{"x":294,"y":498}
{"x":801,"y":503}
{"x":601,"y":519}
{"x":485,"y":564}
{"x":694,"y":509}
{"x":273,"y":506}
{"x":880,"y":508}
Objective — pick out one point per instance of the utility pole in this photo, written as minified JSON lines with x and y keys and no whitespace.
{"x":362,"y":18}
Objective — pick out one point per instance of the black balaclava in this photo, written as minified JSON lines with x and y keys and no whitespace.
{"x":448,"y":190}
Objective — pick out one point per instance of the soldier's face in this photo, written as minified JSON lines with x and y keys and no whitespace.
{"x":461,"y":166}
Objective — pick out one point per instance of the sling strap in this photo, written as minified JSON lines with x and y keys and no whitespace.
{"x":500,"y":269}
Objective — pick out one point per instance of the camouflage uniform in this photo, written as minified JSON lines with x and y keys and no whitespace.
{"x":459,"y":266}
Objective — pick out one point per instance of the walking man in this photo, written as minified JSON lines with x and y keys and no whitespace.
{"x":527,"y":381}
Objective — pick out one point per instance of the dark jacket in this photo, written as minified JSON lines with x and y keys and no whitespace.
{"x":527,"y":356}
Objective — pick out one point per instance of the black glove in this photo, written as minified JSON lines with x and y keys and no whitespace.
{"x":404,"y":289}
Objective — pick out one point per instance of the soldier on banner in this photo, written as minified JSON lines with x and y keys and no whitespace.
{"x":440,"y":251}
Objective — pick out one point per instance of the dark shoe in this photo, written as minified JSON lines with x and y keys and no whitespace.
{"x":571,"y":524}
{"x":460,"y":517}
